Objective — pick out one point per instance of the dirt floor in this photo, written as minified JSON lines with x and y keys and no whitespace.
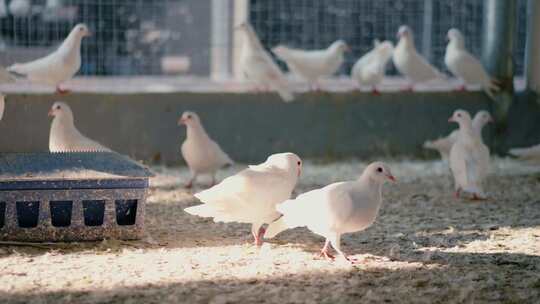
{"x":425,"y":247}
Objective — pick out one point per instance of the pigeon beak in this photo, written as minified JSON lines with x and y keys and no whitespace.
{"x":181,"y":121}
{"x":392,"y":178}
{"x":451,"y":119}
{"x":51,"y":113}
{"x":299,"y":172}
{"x":347,"y":48}
{"x":491,"y":120}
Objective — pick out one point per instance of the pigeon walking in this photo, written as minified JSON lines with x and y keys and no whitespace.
{"x":258,"y":66}
{"x":312,"y":65}
{"x":369,"y":69}
{"x":251,"y":196}
{"x":59,"y":66}
{"x":444,"y":144}
{"x":411,"y":64}
{"x":65,"y":137}
{"x":465,"y":66}
{"x":201,"y":153}
{"x":336,"y":209}
{"x":469,"y":158}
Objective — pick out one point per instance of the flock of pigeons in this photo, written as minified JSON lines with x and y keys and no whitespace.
{"x":369,"y":70}
{"x":261,"y":194}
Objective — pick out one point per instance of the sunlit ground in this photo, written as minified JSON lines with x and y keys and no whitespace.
{"x":425,"y":247}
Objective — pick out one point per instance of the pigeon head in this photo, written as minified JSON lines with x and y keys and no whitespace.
{"x":244,"y":26}
{"x":460,"y":117}
{"x":379,"y":172}
{"x":289,"y":162}
{"x":341,"y":46}
{"x":81,"y":30}
{"x":404,"y":31}
{"x":454,"y":35}
{"x":60,"y":109}
{"x":189,"y":119}
{"x":482,"y":118}
{"x":385,"y":48}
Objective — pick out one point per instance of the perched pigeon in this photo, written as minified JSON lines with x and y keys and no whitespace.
{"x":336,"y":209}
{"x":465,"y":66}
{"x":2,"y":105}
{"x":312,"y":65}
{"x":444,"y":144}
{"x":59,"y":66}
{"x":64,"y":135}
{"x":258,"y":66}
{"x":251,"y":196}
{"x":369,"y":69}
{"x":469,"y":158}
{"x":201,"y":153}
{"x":20,"y":8}
{"x":531,"y":153}
{"x":411,"y":64}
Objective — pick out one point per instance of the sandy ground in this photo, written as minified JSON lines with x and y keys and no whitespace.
{"x":425,"y":247}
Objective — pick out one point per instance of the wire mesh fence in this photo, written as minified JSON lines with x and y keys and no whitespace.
{"x":315,"y":24}
{"x":156,"y":37}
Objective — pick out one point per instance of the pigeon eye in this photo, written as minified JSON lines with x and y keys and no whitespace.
{"x":189,"y":116}
{"x":58,"y":107}
{"x":299,"y":163}
{"x":379,"y":170}
{"x":459,"y":115}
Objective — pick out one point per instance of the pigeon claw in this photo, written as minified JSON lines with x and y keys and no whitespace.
{"x":327,"y":255}
{"x":61,"y":91}
{"x":375,"y":92}
{"x":189,"y":185}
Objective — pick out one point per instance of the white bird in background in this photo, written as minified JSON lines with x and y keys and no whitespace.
{"x":65,"y":137}
{"x":465,"y":66}
{"x":20,"y":8}
{"x":3,"y":9}
{"x":201,"y":153}
{"x":444,"y":144}
{"x":258,"y":66}
{"x":251,"y":196}
{"x":59,"y":66}
{"x":411,"y":64}
{"x":469,"y":158}
{"x":53,"y":4}
{"x":312,"y":65}
{"x":369,"y":69}
{"x":529,"y":154}
{"x":2,"y":105}
{"x":336,"y":209}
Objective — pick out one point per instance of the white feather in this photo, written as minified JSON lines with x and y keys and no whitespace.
{"x":369,"y":69}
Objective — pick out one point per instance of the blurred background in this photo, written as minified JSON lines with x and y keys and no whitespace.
{"x":176,"y":37}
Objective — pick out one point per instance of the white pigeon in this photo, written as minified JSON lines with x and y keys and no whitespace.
{"x":314,"y":64}
{"x":465,"y":66}
{"x":59,"y":66}
{"x":258,"y":66}
{"x":411,"y":64}
{"x":530,"y":154}
{"x":469,"y":158}
{"x":444,"y":144}
{"x":338,"y":208}
{"x":369,"y":69}
{"x":3,"y":9}
{"x":20,"y":8}
{"x":2,"y":105}
{"x":201,"y":153}
{"x":251,"y":196}
{"x":65,"y":137}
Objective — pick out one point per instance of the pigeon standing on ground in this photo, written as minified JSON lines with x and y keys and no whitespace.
{"x":258,"y":66}
{"x":336,"y":209}
{"x":251,"y":196}
{"x":444,"y":144}
{"x":469,"y":158}
{"x":530,"y":154}
{"x":369,"y":69}
{"x":59,"y":66}
{"x":411,"y":64}
{"x":65,"y":137}
{"x":465,"y":66}
{"x":201,"y":153}
{"x":312,"y":65}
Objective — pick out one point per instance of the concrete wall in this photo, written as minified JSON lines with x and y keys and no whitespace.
{"x":249,"y":126}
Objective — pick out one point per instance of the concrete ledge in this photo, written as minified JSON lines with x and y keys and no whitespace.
{"x":251,"y":126}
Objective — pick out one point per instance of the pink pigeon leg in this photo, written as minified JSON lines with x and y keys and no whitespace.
{"x":375,"y":92}
{"x":258,"y":234}
{"x":325,"y":252}
{"x":61,"y":91}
